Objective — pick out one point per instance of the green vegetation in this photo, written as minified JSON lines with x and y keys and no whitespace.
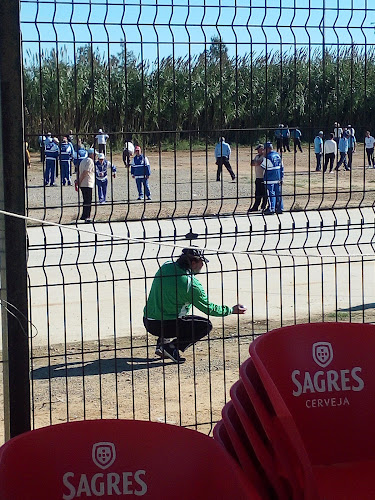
{"x":193,"y":100}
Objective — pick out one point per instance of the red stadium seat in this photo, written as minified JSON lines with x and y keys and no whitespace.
{"x":220,"y":434}
{"x":119,"y":459}
{"x":258,"y":440}
{"x":320,"y":381}
{"x":289,"y":465}
{"x":246,"y":456}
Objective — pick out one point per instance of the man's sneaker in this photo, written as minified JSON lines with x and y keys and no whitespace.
{"x":159,"y":351}
{"x":268,"y":212}
{"x":172,"y":353}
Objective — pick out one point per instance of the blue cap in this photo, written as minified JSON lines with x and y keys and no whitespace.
{"x":268,"y":145}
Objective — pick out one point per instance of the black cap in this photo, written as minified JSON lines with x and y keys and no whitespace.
{"x":194,"y":252}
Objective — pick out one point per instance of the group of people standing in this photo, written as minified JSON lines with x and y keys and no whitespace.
{"x":269,"y":174}
{"x":90,"y":166}
{"x":342,"y":141}
{"x":283,"y":136}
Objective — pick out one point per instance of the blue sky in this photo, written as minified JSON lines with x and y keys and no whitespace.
{"x":157,"y":28}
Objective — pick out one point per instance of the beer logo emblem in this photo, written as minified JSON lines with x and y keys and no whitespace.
{"x":103,"y":454}
{"x":322,"y":353}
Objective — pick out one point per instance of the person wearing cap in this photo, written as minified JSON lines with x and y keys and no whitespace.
{"x":101,"y":139}
{"x":127,"y":152}
{"x":86,"y":183}
{"x":174,"y":291}
{"x":273,"y":177}
{"x":51,"y":154}
{"x":260,"y":189}
{"x":222,"y":155}
{"x":285,"y":133}
{"x":318,"y":149}
{"x":101,"y":168}
{"x":66,"y":156}
{"x":140,"y":171}
{"x":343,"y":149}
{"x":279,"y":138}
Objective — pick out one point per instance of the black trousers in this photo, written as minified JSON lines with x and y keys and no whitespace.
{"x":186,"y":330}
{"x":260,"y":194}
{"x":328,"y":157}
{"x":87,"y":198}
{"x":350,"y":157}
{"x":101,"y":148}
{"x":370,"y":156}
{"x":126,"y":157}
{"x":286,"y":142}
{"x":297,"y":143}
{"x":279,"y":144}
{"x":223,"y":160}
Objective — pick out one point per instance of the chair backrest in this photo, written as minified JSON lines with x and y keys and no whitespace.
{"x":244,"y":451}
{"x":220,"y":434}
{"x":319,"y":377}
{"x":261,"y":445}
{"x":118,"y":459}
{"x":285,"y":453}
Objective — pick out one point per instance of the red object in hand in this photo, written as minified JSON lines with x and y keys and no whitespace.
{"x":76,"y":185}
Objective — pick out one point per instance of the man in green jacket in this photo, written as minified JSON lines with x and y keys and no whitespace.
{"x":166,"y":314}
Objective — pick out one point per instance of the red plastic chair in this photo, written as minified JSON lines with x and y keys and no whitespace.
{"x":220,"y":434}
{"x":114,"y":458}
{"x":245,"y":453}
{"x":257,"y":437}
{"x":289,"y":465}
{"x":320,"y":380}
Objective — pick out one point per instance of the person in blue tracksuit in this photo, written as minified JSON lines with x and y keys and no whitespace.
{"x":51,"y":154}
{"x":285,"y":133}
{"x":318,"y":148}
{"x":79,"y":155}
{"x":296,"y":136}
{"x":352,"y":144}
{"x":273,"y":178}
{"x":101,"y":173}
{"x":66,"y":155}
{"x":140,"y":171}
{"x":279,"y":138}
{"x":343,"y":149}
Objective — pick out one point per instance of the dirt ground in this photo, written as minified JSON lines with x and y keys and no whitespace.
{"x":126,"y":380}
{"x":183,"y":184}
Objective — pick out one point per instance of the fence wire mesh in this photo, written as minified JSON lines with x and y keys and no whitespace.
{"x":173,"y":77}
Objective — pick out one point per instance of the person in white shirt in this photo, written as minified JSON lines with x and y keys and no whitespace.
{"x":330,"y":152}
{"x":86,"y":182}
{"x":351,"y":130}
{"x":101,"y":139}
{"x":337,"y":132}
{"x":127,"y":153}
{"x":369,"y":145}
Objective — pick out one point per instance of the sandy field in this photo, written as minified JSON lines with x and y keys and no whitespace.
{"x":183,"y":184}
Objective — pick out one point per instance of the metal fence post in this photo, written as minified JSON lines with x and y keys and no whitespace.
{"x":13,"y":246}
